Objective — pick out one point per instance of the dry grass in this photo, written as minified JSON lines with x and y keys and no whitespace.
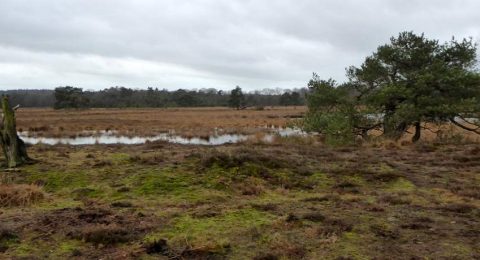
{"x":202,"y":122}
{"x":185,"y":121}
{"x":14,"y":195}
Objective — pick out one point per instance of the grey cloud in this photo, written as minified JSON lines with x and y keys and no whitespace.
{"x":208,"y":43}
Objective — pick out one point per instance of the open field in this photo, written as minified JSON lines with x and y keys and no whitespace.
{"x":141,"y":122}
{"x":114,"y":145}
{"x":286,"y":201}
{"x":292,"y":198}
{"x":185,"y":122}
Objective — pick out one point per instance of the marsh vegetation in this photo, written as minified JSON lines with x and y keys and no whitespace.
{"x":375,"y":168}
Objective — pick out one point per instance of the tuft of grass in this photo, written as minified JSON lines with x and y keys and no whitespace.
{"x":19,"y":195}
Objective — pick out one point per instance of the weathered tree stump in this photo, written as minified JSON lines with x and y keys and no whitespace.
{"x":13,"y":147}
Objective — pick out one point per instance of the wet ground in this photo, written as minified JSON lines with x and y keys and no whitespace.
{"x":112,"y":137}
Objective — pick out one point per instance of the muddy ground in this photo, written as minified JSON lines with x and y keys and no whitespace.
{"x":279,"y":201}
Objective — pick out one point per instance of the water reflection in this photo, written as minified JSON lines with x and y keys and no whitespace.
{"x":109,"y":137}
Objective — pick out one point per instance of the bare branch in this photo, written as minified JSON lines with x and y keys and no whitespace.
{"x":367,"y":128}
{"x":475,"y":130}
{"x":429,"y":129}
{"x":468,"y":122}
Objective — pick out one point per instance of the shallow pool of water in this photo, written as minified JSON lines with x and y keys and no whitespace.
{"x":103,"y":137}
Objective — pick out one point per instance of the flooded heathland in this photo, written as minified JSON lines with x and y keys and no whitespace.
{"x":258,"y":192}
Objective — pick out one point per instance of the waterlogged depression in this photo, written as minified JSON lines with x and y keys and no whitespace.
{"x":267,"y":134}
{"x":111,"y":137}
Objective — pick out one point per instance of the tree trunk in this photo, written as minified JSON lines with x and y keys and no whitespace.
{"x":13,"y":147}
{"x":418,"y":130}
{"x":392,"y":129}
{"x":388,"y":126}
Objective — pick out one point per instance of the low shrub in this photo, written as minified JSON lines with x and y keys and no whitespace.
{"x":239,"y":158}
{"x":104,"y":234}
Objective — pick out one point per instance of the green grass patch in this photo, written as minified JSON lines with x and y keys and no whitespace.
{"x":401,"y":185}
{"x":67,"y":247}
{"x":215,"y":230}
{"x":119,"y":158}
{"x":58,"y":180}
{"x":320,"y":180}
{"x":351,"y":245}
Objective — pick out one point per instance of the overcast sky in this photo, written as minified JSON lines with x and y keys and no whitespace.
{"x":208,"y":43}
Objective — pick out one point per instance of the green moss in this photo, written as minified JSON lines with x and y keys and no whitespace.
{"x":401,"y":185}
{"x":383,"y":167}
{"x":65,"y":248}
{"x":219,"y":178}
{"x":56,"y":248}
{"x":172,"y":186}
{"x":219,"y":230}
{"x":162,"y":182}
{"x":24,"y":249}
{"x":351,"y":245}
{"x":355,"y":180}
{"x":59,"y":203}
{"x":320,"y":180}
{"x":457,"y":250}
{"x":119,"y":158}
{"x":89,"y":192}
{"x":252,"y":169}
{"x":58,"y":180}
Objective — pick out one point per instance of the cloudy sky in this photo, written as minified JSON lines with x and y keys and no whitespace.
{"x":208,"y":43}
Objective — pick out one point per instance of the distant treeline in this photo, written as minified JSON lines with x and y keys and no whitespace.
{"x":119,"y":97}
{"x":31,"y":97}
